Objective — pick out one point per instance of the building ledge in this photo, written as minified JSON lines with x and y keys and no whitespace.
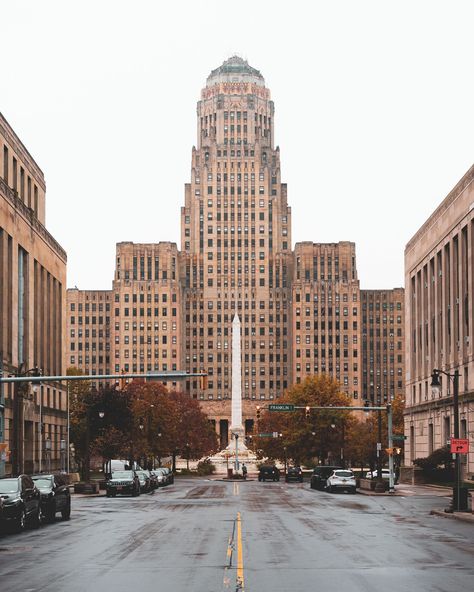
{"x":29,"y":216}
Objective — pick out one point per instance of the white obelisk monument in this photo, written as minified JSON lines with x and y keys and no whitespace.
{"x":236,"y":428}
{"x":237,"y":447}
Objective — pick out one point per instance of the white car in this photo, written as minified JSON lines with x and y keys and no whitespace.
{"x":373,"y":474}
{"x":342,"y":480}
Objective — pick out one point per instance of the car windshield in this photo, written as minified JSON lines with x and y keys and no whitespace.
{"x":122,"y":475}
{"x":42,"y":482}
{"x":8,"y":485}
{"x":343,"y":473}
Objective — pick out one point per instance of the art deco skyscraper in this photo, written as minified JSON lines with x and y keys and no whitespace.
{"x":236,"y":244}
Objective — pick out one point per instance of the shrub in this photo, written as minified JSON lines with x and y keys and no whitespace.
{"x":205,"y":467}
{"x":441,"y":457}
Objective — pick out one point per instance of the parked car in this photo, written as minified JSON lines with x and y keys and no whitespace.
{"x":294,"y":474}
{"x":163,"y":476}
{"x":341,"y":480}
{"x":122,"y":482}
{"x":373,"y":474}
{"x":144,"y":479}
{"x":21,"y":502}
{"x":320,"y":476}
{"x":268,"y":472}
{"x":168,"y":474}
{"x":55,"y":496}
{"x":153,"y":479}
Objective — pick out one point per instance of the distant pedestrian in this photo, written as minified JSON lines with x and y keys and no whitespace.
{"x":244,"y":471}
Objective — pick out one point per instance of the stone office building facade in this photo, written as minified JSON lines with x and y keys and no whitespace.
{"x":236,"y":256}
{"x":439,"y":280}
{"x":32,"y":309}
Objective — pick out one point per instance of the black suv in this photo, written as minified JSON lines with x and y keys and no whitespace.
{"x":55,"y":496}
{"x":294,"y":474}
{"x":268,"y":472}
{"x":122,"y":482}
{"x":21,"y":502}
{"x":320,"y":476}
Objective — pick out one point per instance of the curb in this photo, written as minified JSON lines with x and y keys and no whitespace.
{"x":385,"y":494}
{"x":462,"y":516}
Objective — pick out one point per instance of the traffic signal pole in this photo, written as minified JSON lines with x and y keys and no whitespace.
{"x":378,"y":408}
{"x":391,"y":483}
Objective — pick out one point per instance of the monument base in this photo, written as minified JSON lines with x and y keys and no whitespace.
{"x":225,"y":459}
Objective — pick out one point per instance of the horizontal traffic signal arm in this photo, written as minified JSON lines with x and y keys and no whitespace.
{"x":165,"y":376}
{"x":335,"y":408}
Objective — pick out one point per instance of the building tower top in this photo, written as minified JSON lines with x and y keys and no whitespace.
{"x":235,"y":69}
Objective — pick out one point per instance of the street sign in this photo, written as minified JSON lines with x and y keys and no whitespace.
{"x":281,"y":407}
{"x":275,"y":434}
{"x":459,"y":445}
{"x":379,"y":445}
{"x":398,"y":437}
{"x":265,"y":435}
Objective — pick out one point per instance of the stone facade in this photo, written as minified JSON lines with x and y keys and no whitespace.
{"x":383,"y":344}
{"x":439,"y":280}
{"x":88,"y":331}
{"x":300,"y":311}
{"x":32,"y":308}
{"x":326,"y":314}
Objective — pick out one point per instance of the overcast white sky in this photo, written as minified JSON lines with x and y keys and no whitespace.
{"x":374,"y":114}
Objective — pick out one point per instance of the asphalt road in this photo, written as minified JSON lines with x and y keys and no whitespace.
{"x":212,"y":536}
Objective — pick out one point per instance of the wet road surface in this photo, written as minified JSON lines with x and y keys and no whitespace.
{"x":211,"y":536}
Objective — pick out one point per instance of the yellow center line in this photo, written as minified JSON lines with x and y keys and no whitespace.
{"x":240,"y":559}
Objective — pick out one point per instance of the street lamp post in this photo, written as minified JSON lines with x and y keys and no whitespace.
{"x":20,"y":394}
{"x":236,"y":451}
{"x":87,"y":456}
{"x":436,"y":387}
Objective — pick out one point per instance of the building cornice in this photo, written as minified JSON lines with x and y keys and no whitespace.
{"x":29,"y":216}
{"x":442,"y":208}
{"x":7,"y":131}
{"x":438,"y":404}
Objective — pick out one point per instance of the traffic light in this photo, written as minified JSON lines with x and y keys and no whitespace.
{"x":307,"y":412}
{"x":397,"y":450}
{"x":258,"y":412}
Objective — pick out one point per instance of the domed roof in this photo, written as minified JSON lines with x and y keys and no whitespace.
{"x":235,"y":69}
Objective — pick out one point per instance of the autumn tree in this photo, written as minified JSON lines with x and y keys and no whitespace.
{"x":362,"y":437}
{"x":304,"y":439}
{"x":168,"y":422}
{"x":100,"y":421}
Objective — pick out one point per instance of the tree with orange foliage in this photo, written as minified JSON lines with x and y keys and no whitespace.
{"x":168,"y":422}
{"x":305,"y":438}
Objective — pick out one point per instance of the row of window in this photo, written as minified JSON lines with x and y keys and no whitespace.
{"x":141,"y":312}
{"x":92,"y":307}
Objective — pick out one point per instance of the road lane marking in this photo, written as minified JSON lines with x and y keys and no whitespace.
{"x":236,"y":489}
{"x":235,"y":539}
{"x":240,"y":559}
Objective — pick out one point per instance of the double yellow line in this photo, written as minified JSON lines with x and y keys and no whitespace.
{"x":239,"y":581}
{"x":240,"y":555}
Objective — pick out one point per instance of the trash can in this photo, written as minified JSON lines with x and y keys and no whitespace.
{"x":230,"y":473}
{"x":463,"y":495}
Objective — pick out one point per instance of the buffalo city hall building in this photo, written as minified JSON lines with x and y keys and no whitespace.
{"x":300,"y":309}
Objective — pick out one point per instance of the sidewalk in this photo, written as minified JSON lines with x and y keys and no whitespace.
{"x":406,"y":490}
{"x":462,"y":516}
